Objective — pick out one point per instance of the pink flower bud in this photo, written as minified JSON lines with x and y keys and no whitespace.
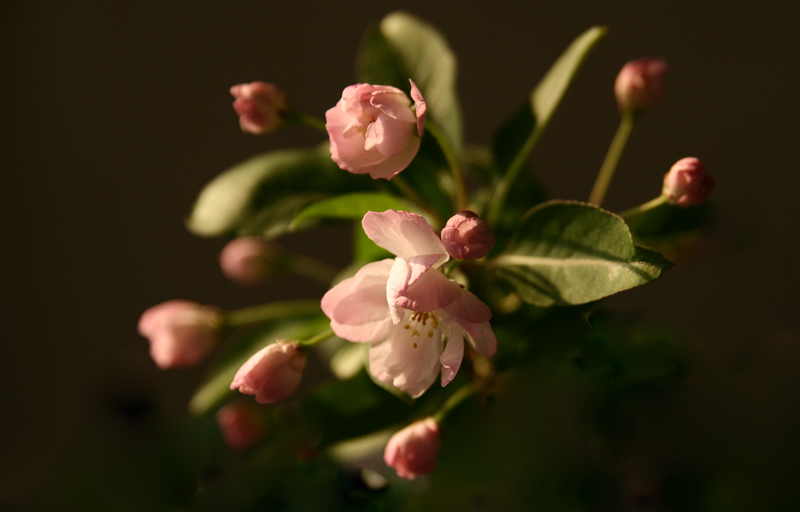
{"x":640,"y":84}
{"x":273,"y":373}
{"x":414,"y":450}
{"x":374,"y":130}
{"x":687,"y":183}
{"x":247,"y":260}
{"x":261,"y":106}
{"x":241,"y":426}
{"x":181,"y":333}
{"x":466,"y":237}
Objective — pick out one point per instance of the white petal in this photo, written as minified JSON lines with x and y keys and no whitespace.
{"x":452,"y":356}
{"x":405,"y":361}
{"x":403,"y":234}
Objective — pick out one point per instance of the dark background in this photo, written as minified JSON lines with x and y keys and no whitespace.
{"x":114,"y":115}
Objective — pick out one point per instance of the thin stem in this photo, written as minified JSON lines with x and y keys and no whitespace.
{"x":454,"y":400}
{"x":410,"y":193}
{"x":306,"y":266}
{"x":649,"y":205}
{"x":460,"y":201}
{"x":612,"y":158}
{"x":271,"y":311}
{"x":294,"y":116}
{"x":501,"y":191}
{"x":316,"y":339}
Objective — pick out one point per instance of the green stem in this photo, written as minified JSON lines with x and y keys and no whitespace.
{"x":649,"y":205}
{"x":294,"y":116}
{"x":454,"y":400}
{"x":271,"y":311}
{"x":501,"y":191}
{"x":612,"y":158}
{"x":415,"y":198}
{"x":460,"y":200}
{"x":305,"y":266}
{"x":316,"y":339}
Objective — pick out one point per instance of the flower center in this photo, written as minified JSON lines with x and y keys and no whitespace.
{"x":422,"y":324}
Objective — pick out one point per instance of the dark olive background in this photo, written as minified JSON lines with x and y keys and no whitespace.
{"x":115,"y":114}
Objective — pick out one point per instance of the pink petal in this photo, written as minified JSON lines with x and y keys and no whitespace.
{"x":403,"y":234}
{"x":481,"y":337}
{"x":452,"y":356}
{"x":390,"y":136}
{"x":393,"y":103}
{"x":406,"y":362}
{"x":422,"y":108}
{"x":369,"y":331}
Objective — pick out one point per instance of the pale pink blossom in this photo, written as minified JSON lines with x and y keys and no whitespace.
{"x":247,"y":260}
{"x":414,"y":317}
{"x":374,"y":130}
{"x":414,"y":450}
{"x":261,"y":106}
{"x":640,"y":84}
{"x":687,"y":183}
{"x":181,"y":333}
{"x":467,"y":237}
{"x":240,"y":425}
{"x":273,"y":373}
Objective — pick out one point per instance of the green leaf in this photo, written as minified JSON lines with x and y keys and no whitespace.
{"x":216,"y":385}
{"x":351,"y":206}
{"x":403,"y":47}
{"x":532,"y":118}
{"x":262,"y":195}
{"x":567,"y":253}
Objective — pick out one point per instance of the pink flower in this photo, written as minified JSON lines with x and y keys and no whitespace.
{"x":373,"y":129}
{"x":466,"y":237}
{"x":414,"y":450}
{"x":687,"y":182}
{"x":181,"y":333}
{"x":415,"y":318}
{"x":273,"y":373}
{"x":247,"y":260}
{"x":640,"y":84}
{"x":261,"y":106}
{"x":240,"y":426}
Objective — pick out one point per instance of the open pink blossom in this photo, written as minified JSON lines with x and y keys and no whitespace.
{"x":374,"y":130}
{"x":261,"y":106}
{"x":273,"y":373}
{"x":414,"y":450}
{"x":181,"y":332}
{"x":415,"y":318}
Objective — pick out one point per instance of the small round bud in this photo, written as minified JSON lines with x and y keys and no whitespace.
{"x":261,"y":106}
{"x":181,"y":333}
{"x":414,"y":450}
{"x":687,"y":183}
{"x":273,"y":373}
{"x":240,"y":425}
{"x":467,"y":237}
{"x":248,"y":260}
{"x":640,"y":84}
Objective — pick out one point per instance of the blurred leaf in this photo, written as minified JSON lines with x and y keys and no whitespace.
{"x":532,"y":118}
{"x":404,"y":46}
{"x":353,"y":407}
{"x":365,"y":250}
{"x":262,"y":195}
{"x":351,"y":206}
{"x":216,"y":385}
{"x":571,"y":253}
{"x":349,"y":359}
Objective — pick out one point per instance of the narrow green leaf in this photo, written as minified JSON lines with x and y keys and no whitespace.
{"x":567,"y":253}
{"x":407,"y":47}
{"x":262,"y":195}
{"x":351,"y":206}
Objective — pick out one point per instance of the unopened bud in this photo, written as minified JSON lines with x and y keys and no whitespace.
{"x":240,"y":425}
{"x":181,"y":333}
{"x":273,"y":373}
{"x":640,"y":84}
{"x":687,"y":183}
{"x":247,"y":260}
{"x":261,"y":106}
{"x":467,"y":237}
{"x":414,"y":450}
